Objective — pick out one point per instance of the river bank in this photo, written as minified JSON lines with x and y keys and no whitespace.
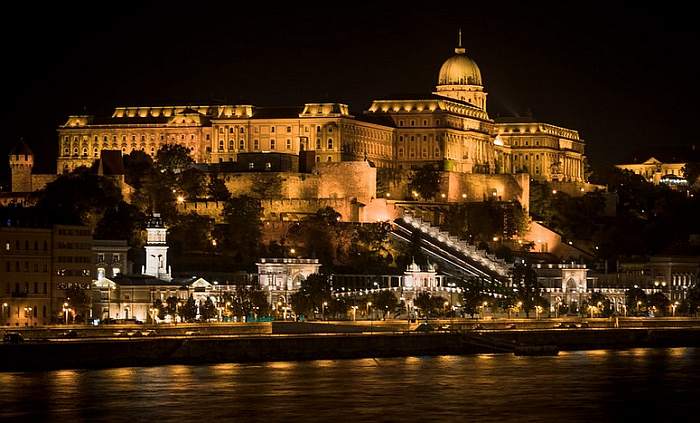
{"x":196,"y":349}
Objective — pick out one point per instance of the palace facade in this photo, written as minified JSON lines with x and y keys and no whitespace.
{"x":449,"y":128}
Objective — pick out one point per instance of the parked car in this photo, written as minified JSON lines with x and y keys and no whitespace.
{"x":583,"y":325}
{"x":192,"y":332}
{"x":478,"y":326}
{"x":70,"y":334}
{"x":149,"y":332}
{"x":13,"y":338}
{"x":511,"y":326}
{"x":424,"y":327}
{"x":108,"y":321}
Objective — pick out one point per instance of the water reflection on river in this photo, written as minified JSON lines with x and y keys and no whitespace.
{"x":576,"y":386}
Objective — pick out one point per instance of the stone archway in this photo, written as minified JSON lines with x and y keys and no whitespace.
{"x":570,"y":291}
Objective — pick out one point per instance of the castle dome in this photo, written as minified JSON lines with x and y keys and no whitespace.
{"x":459,"y":69}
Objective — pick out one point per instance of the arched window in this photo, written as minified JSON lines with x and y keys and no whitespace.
{"x":221,"y":145}
{"x":330,"y":143}
{"x":230,"y":145}
{"x":241,"y":145}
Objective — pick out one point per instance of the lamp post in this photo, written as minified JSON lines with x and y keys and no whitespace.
{"x":638,"y":304}
{"x":354,"y":312}
{"x":65,"y":312}
{"x":369,"y":304}
{"x":4,"y":315}
{"x":323,"y":310}
{"x":673,"y":309}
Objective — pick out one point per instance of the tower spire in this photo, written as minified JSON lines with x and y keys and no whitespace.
{"x":460,"y":49}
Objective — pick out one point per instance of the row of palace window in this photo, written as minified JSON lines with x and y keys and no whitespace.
{"x":26,"y":288}
{"x":25,"y":268}
{"x":412,"y":153}
{"x":105,"y":138}
{"x":241,"y":130}
{"x":273,"y":144}
{"x":412,"y":122}
{"x":27,"y":245}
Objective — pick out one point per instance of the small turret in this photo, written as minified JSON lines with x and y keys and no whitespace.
{"x":156,"y":248}
{"x":21,"y":164}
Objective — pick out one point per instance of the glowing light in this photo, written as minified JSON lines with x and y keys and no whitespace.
{"x":180,"y":199}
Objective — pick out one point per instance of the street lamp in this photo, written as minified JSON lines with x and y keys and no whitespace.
{"x":354,"y":312}
{"x":323,"y":310}
{"x":673,"y":309}
{"x":369,"y":304}
{"x":638,"y":304}
{"x":65,"y":311}
{"x":4,"y":306}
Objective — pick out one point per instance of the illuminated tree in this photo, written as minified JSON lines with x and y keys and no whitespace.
{"x":79,"y":299}
{"x":189,"y":310}
{"x":528,"y":288}
{"x":636,"y":301}
{"x":386,"y":302}
{"x":425,"y":182}
{"x":207,"y":309}
{"x":658,"y":302}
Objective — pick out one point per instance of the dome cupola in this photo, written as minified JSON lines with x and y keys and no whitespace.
{"x":460,"y":79}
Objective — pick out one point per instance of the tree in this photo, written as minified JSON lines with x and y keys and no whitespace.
{"x":162,"y":308}
{"x":314,"y":291}
{"x":424,"y":302}
{"x":137,"y":165}
{"x":425,"y":182}
{"x":122,"y":221}
{"x":658,"y":302}
{"x":338,"y":306}
{"x":601,"y":303}
{"x":318,"y":234}
{"x":207,"y":309}
{"x":189,"y":310}
{"x":636,"y":301}
{"x":473,"y":294}
{"x":173,"y":158}
{"x":528,"y":288}
{"x":301,"y":304}
{"x":79,"y":197}
{"x":216,"y":189}
{"x":171,"y":304}
{"x":193,"y":183}
{"x":691,"y":172}
{"x":191,"y":232}
{"x":385,"y":301}
{"x":79,"y":299}
{"x":691,"y":303}
{"x":243,"y":232}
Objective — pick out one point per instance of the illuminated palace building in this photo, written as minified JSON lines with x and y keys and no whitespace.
{"x":449,"y":128}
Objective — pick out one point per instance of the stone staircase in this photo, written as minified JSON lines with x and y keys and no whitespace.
{"x":481,"y":258}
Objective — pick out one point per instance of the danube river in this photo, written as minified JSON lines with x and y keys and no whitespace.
{"x":662,"y":384}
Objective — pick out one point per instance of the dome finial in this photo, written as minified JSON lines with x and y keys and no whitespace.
{"x":460,"y":49}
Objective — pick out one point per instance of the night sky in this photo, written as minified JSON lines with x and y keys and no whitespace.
{"x":625,"y":77}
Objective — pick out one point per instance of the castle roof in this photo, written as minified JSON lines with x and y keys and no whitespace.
{"x":21,"y":148}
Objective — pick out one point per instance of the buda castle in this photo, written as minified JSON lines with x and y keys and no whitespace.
{"x":448,"y":129}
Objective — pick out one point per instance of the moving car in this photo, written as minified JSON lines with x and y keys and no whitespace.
{"x":13,"y":338}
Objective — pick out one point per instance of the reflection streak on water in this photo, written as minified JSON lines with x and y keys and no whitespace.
{"x":601,"y":385}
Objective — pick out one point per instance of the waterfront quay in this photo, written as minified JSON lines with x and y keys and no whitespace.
{"x":139,"y":345}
